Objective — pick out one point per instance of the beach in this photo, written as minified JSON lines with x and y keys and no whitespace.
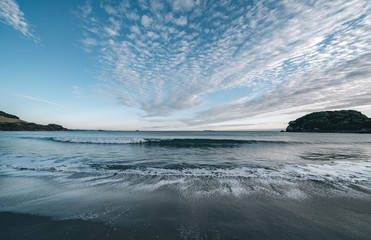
{"x":184,"y":185}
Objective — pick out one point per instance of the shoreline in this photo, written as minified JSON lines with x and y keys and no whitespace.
{"x":262,"y":219}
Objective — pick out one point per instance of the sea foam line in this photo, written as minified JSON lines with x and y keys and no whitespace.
{"x":337,"y":172}
{"x":169,"y":142}
{"x":99,"y":140}
{"x":298,"y":182}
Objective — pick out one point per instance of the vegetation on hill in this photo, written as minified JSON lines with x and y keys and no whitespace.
{"x":7,"y":115}
{"x":332,"y":121}
{"x":10,"y":122}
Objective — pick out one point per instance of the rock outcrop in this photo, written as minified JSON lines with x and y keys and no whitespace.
{"x":344,"y":121}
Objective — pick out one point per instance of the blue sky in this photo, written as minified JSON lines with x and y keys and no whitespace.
{"x":183,"y":64}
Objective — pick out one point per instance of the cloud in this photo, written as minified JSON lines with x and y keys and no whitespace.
{"x":78,"y":92}
{"x":146,"y":21}
{"x":38,"y":99}
{"x":157,"y":5}
{"x":279,"y":56}
{"x":326,"y":88}
{"x":132,"y":16}
{"x":182,"y":5}
{"x":11,"y":15}
{"x":86,"y":10}
{"x":135,"y":29}
{"x":181,"y":21}
{"x":90,"y":41}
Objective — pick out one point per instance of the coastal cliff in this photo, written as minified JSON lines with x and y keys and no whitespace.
{"x":344,"y":121}
{"x":10,"y":122}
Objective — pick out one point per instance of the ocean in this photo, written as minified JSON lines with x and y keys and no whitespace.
{"x":184,"y":185}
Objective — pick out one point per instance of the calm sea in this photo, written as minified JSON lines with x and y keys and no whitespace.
{"x":193,"y":185}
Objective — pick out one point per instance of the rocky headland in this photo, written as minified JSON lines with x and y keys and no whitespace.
{"x":10,"y":122}
{"x":343,"y":121}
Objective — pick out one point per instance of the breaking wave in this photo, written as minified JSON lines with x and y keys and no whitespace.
{"x":185,"y":142}
{"x":294,"y":181}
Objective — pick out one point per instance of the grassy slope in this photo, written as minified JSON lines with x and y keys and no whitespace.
{"x":9,"y":120}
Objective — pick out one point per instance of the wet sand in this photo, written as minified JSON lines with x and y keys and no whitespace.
{"x":263,"y":219}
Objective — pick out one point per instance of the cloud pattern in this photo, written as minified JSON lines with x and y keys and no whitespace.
{"x":290,"y":55}
{"x":11,"y":15}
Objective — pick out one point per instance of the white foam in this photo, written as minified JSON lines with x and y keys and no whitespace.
{"x":337,"y":172}
{"x":100,"y":140}
{"x":290,"y":181}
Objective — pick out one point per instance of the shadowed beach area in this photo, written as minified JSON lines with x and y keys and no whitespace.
{"x":26,"y":226}
{"x":257,"y":219}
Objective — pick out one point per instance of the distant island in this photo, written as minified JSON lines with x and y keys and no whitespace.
{"x":10,"y":122}
{"x":344,"y":121}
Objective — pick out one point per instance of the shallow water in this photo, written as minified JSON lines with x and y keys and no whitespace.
{"x":193,"y":185}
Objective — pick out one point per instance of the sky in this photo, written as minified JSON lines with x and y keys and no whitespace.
{"x":183,"y":64}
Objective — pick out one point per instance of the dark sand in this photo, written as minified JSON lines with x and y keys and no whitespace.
{"x":330,"y":219}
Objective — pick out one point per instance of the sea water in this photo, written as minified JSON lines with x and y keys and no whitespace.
{"x":193,"y":185}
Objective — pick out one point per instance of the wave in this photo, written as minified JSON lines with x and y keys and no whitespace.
{"x":339,"y":172}
{"x":176,"y":142}
{"x":293,"y":181}
{"x":98,"y":140}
